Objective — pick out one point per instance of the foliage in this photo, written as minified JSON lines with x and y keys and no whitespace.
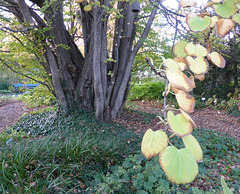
{"x":64,"y":158}
{"x":147,"y":90}
{"x":139,"y":175}
{"x":180,"y":164}
{"x":37,"y":97}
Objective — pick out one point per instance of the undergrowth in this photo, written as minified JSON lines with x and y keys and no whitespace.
{"x":47,"y":152}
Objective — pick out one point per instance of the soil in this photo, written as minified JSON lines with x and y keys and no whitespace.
{"x":216,"y":120}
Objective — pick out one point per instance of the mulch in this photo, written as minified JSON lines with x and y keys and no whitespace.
{"x":216,"y":120}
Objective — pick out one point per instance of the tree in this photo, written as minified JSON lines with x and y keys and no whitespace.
{"x":100,"y":77}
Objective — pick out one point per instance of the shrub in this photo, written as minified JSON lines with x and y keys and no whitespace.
{"x":147,"y":90}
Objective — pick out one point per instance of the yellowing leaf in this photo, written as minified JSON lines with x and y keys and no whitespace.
{"x":179,"y":80}
{"x":179,"y":165}
{"x":185,"y":101}
{"x":214,"y":19}
{"x":179,"y":124}
{"x":200,"y":77}
{"x":178,"y":49}
{"x":170,"y":64}
{"x":193,"y":146}
{"x":198,"y":65}
{"x":225,"y":9}
{"x":181,"y":63}
{"x":189,"y":118}
{"x":187,"y":4}
{"x":236,"y":18}
{"x":217,"y":59}
{"x":196,"y":50}
{"x":153,"y":143}
{"x":79,"y":1}
{"x":198,"y":24}
{"x":88,"y":8}
{"x":223,"y":26}
{"x":191,"y":78}
{"x":216,"y":1}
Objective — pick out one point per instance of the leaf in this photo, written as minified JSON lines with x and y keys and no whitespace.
{"x":189,"y":118}
{"x":181,"y":63}
{"x":179,"y":80}
{"x":193,"y":146}
{"x":179,"y":165}
{"x":185,"y":101}
{"x":223,"y":26}
{"x":217,"y":59}
{"x":171,"y":64}
{"x":187,"y":4}
{"x":198,"y":24}
{"x":198,"y":65}
{"x":216,"y":1}
{"x":225,"y":9}
{"x":214,"y":19}
{"x":236,"y":18}
{"x":179,"y":124}
{"x":226,"y":190}
{"x":200,"y":77}
{"x":178,"y":49}
{"x":196,"y":50}
{"x":88,"y":8}
{"x":153,"y":143}
{"x":191,"y":78}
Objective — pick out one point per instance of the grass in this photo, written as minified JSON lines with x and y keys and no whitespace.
{"x":46,"y":152}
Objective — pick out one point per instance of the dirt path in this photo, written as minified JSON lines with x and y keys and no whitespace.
{"x":10,"y":113}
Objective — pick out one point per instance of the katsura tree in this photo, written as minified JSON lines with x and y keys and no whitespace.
{"x":84,"y":49}
{"x":191,"y":62}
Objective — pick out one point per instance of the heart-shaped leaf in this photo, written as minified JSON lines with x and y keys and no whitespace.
{"x":200,"y":77}
{"x":171,"y":64}
{"x":214,"y":19}
{"x":198,"y":24}
{"x":181,"y":63}
{"x":225,"y":9}
{"x":198,"y":65}
{"x":189,"y":118}
{"x":179,"y":80}
{"x":223,"y":26}
{"x":217,"y":59}
{"x":193,"y":146}
{"x":179,"y":124}
{"x":179,"y":165}
{"x":185,"y":101}
{"x":187,"y":4}
{"x":196,"y":50}
{"x":236,"y":18}
{"x":153,"y":143}
{"x":178,"y":49}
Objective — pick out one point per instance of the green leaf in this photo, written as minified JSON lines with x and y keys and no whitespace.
{"x":196,"y":50}
{"x":236,"y":18}
{"x":179,"y":165}
{"x":193,"y":146}
{"x":171,"y":64}
{"x":179,"y":124}
{"x":198,"y":24}
{"x":178,"y":49}
{"x":226,"y":190}
{"x":225,"y":9}
{"x":153,"y":143}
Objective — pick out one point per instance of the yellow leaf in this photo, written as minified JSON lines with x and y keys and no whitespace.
{"x":170,"y":64}
{"x":153,"y":143}
{"x":187,"y":4}
{"x":185,"y":101}
{"x":193,"y":146}
{"x":217,"y":59}
{"x":223,"y":26}
{"x":214,"y":19}
{"x":200,"y":77}
{"x":196,"y":50}
{"x":198,"y":65}
{"x":189,"y":118}
{"x":179,"y":124}
{"x":191,"y":78}
{"x":179,"y":80}
{"x":181,"y":63}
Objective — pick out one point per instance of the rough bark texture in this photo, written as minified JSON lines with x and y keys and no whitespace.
{"x":84,"y":80}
